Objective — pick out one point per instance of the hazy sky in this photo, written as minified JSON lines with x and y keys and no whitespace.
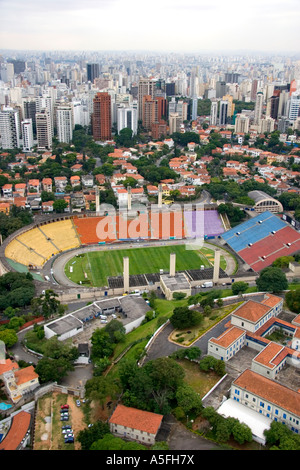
{"x":166,"y":25}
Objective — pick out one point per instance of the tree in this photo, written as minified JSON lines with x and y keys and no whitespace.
{"x":188,"y":399}
{"x":116,"y":331}
{"x":60,"y":205}
{"x":87,"y":436}
{"x":292,"y":299}
{"x":272,"y":279}
{"x":100,"y":388}
{"x":9,"y":337}
{"x":239,"y":287}
{"x":102,"y":345}
{"x":110,"y":442}
{"x":52,"y":370}
{"x":183,"y":317}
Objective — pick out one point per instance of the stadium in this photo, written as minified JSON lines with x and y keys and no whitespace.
{"x":35,"y":248}
{"x":88,"y":250}
{"x":261,"y":240}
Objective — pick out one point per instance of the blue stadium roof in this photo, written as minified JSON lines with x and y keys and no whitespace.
{"x":253,"y":230}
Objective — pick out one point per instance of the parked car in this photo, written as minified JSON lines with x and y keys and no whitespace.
{"x":64,"y":418}
{"x":67,"y":431}
{"x":67,"y":426}
{"x":64,"y":407}
{"x":69,"y":440}
{"x":78,"y":403}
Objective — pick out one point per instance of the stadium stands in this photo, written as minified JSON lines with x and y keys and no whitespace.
{"x":35,"y":246}
{"x":253,"y":230}
{"x":263,"y":239}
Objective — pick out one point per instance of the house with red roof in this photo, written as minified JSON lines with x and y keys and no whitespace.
{"x":133,"y":424}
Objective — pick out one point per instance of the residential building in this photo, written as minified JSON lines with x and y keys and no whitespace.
{"x":44,"y":130}
{"x":134,"y":424}
{"x":10,"y":129}
{"x":101,"y":117}
{"x":92,"y":71}
{"x":146,"y":86}
{"x":258,"y":110}
{"x":27,"y":135}
{"x":65,"y":122}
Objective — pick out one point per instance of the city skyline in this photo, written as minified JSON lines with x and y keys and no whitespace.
{"x":166,"y":25}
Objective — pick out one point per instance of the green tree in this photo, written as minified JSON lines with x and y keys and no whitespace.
{"x":188,"y":399}
{"x":87,"y":436}
{"x":272,"y":279}
{"x":292,"y":299}
{"x":183,"y":317}
{"x":60,"y":205}
{"x":9,"y":337}
{"x":102,"y":345}
{"x":50,"y":370}
{"x":239,"y":287}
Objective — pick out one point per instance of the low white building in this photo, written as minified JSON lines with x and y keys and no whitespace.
{"x":137,"y":425}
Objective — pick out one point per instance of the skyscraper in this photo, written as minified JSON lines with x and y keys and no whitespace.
{"x":213,"y":113}
{"x":27,"y":135}
{"x":101,"y":117}
{"x":9,"y":128}
{"x":258,"y":107}
{"x":65,"y":122}
{"x":92,"y":71}
{"x":146,"y":86}
{"x":127,"y":117}
{"x":44,"y":129}
{"x":223,"y":112}
{"x":294,"y":110}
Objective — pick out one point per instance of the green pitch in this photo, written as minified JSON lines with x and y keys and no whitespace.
{"x":93,"y":268}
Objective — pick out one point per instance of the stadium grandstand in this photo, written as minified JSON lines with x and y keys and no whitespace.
{"x":262,"y":239}
{"x":37,"y":245}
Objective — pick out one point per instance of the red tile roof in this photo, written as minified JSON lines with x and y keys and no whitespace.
{"x":18,"y":429}
{"x":136,"y":419}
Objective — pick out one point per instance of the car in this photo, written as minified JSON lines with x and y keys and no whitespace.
{"x":64,"y":414}
{"x":78,"y":403}
{"x":67,"y":431}
{"x":64,"y":407}
{"x":64,"y":418}
{"x":67,"y":426}
{"x":69,"y":440}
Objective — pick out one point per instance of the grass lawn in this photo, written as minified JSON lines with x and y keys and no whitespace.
{"x":93,"y":268}
{"x":187,"y":336}
{"x":200,"y":381}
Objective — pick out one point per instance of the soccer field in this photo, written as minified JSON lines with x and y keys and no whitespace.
{"x":93,"y":268}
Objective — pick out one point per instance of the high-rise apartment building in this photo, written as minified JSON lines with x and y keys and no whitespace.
{"x":101,"y":117}
{"x":44,"y":129}
{"x":241,"y":124}
{"x":223,"y":112}
{"x":27,"y":135}
{"x":146,"y":86}
{"x":258,"y":107}
{"x":174,"y":123}
{"x":92,"y":71}
{"x":10,"y":137}
{"x":65,"y":122}
{"x":213,"y":113}
{"x":127,"y":117}
{"x":294,"y":110}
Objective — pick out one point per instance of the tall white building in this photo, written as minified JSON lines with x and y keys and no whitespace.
{"x":10,"y":137}
{"x":294,"y":106}
{"x":65,"y":122}
{"x":27,"y":135}
{"x":213,"y":113}
{"x":258,"y":107}
{"x":127,"y":117}
{"x":44,"y":130}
